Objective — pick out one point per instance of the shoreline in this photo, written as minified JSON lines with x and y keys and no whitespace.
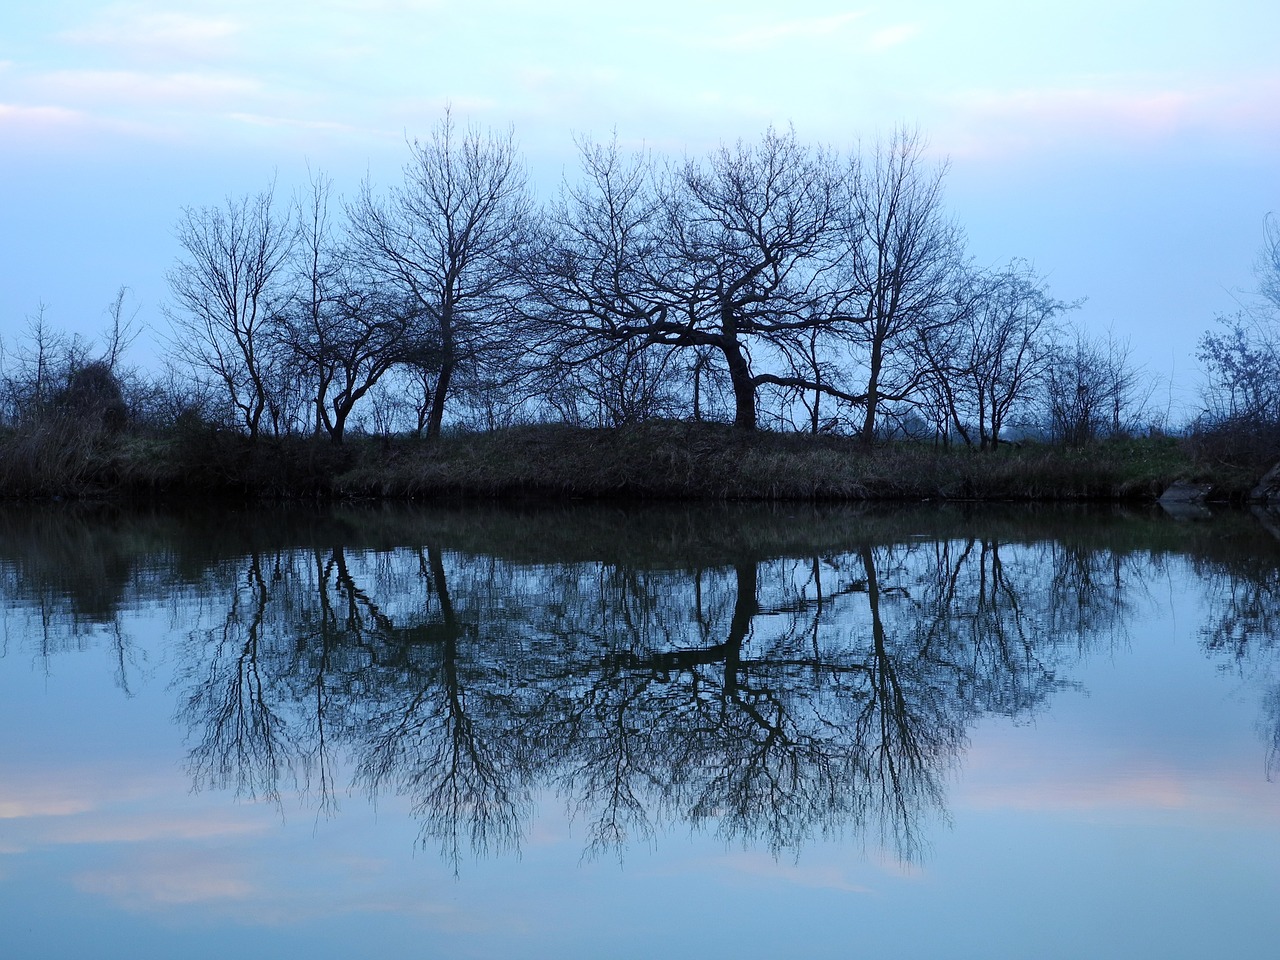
{"x":663,"y":461}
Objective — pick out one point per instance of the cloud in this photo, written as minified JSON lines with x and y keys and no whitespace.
{"x":263,"y":120}
{"x":14,"y":114}
{"x":786,"y":31}
{"x":890,"y":37}
{"x":365,"y":7}
{"x":1115,"y":784}
{"x":1145,"y":112}
{"x":130,"y":88}
{"x":1113,"y":113}
{"x":172,"y":35}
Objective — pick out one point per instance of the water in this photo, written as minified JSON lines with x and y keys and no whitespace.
{"x":711,"y":731}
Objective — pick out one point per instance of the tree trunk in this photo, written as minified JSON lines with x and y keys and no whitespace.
{"x":744,"y":387}
{"x":745,"y":608}
{"x":868,"y":434}
{"x":437,"y":400}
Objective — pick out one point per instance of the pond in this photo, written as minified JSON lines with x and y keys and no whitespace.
{"x":597,"y":731}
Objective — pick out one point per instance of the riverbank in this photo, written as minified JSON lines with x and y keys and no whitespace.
{"x":668,"y":460}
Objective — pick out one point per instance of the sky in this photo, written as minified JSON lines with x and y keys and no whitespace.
{"x":1129,"y":150}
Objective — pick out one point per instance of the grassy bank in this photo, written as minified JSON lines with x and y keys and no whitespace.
{"x":658,"y":461}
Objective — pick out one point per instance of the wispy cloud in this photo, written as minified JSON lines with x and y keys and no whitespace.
{"x":895,"y":36}
{"x":788,"y":31}
{"x":175,"y":35}
{"x":13,"y":114}
{"x":1146,"y":793}
{"x":130,"y":88}
{"x":1103,"y":784}
{"x":265,"y":120}
{"x":1119,"y":112}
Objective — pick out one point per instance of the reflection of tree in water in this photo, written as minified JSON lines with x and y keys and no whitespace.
{"x":772,"y":681}
{"x":767,"y":699}
{"x":70,"y":585}
{"x":238,"y":692}
{"x":1242,"y":630}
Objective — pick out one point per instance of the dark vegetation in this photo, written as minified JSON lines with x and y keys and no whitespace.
{"x":770,"y":321}
{"x":662,"y":460}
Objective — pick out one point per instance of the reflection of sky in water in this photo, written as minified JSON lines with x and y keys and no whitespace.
{"x":1131,"y":818}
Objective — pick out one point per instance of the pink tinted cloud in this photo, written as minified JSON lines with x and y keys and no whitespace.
{"x":995,"y":123}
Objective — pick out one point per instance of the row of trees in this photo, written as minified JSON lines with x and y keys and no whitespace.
{"x":1242,"y":352}
{"x":1240,"y":422}
{"x":769,"y":282}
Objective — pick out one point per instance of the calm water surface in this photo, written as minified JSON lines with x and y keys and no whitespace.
{"x":646,"y":732}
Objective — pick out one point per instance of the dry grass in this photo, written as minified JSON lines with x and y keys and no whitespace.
{"x":666,"y":460}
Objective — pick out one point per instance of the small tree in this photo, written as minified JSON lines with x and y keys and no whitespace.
{"x":442,"y":240}
{"x":1242,"y":360}
{"x":901,"y":268}
{"x":1092,"y":389}
{"x":993,"y":359}
{"x":343,"y":329}
{"x":228,"y":290}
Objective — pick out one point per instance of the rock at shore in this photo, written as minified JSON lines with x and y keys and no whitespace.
{"x":1268,"y":488}
{"x":1184,"y":491}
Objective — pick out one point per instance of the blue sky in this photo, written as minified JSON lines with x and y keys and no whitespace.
{"x":1130,"y":150}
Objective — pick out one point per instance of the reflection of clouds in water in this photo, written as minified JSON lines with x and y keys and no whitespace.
{"x":818,"y":877}
{"x":36,"y":806}
{"x":1070,"y":775}
{"x":148,"y":828}
{"x":251,"y":877}
{"x":1144,"y":793}
{"x":32,"y":791}
{"x":162,"y":881}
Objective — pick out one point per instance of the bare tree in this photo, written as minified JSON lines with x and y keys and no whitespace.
{"x":901,"y":261}
{"x":343,"y":329}
{"x":1267,"y":265}
{"x":1093,"y":389}
{"x":227,"y":289}
{"x":994,"y":358}
{"x":726,"y":256}
{"x":442,"y":240}
{"x":1242,"y":359}
{"x":36,"y":367}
